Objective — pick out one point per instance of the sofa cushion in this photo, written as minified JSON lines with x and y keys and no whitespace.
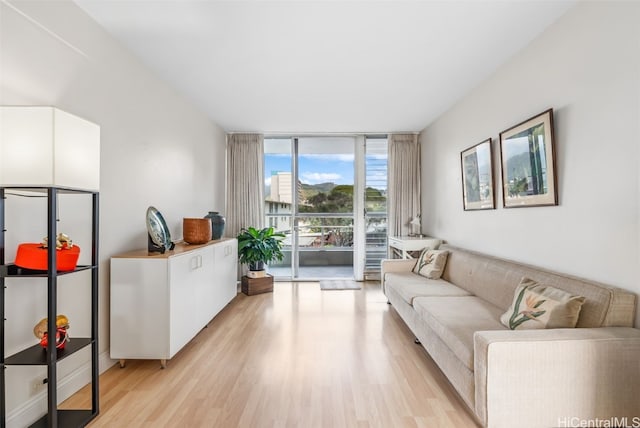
{"x":456,"y":319}
{"x":537,"y":306}
{"x":409,"y":286}
{"x":431,"y":263}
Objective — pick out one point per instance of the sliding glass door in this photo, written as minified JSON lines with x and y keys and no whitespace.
{"x":315,"y":194}
{"x":323,"y":221}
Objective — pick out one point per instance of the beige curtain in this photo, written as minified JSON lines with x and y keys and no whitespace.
{"x":245,"y":182}
{"x":404,"y":183}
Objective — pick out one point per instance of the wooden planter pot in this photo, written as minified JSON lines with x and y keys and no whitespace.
{"x":251,"y":286}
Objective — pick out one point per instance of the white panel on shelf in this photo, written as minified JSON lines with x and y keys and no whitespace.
{"x":45,"y":146}
{"x":26,"y":147}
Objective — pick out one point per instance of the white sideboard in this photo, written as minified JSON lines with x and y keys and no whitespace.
{"x":160,"y":302}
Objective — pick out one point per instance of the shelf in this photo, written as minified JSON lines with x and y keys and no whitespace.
{"x":68,"y":418}
{"x":36,"y":355}
{"x":13,"y":271}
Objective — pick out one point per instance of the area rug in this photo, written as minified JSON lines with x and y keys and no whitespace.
{"x":339,"y":284}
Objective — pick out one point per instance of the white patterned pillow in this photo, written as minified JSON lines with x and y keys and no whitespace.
{"x":538,"y":306}
{"x":431,"y":263}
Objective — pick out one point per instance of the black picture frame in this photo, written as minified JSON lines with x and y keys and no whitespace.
{"x":476,"y":164}
{"x":527,"y":157}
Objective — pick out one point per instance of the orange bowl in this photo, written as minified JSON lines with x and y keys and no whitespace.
{"x":34,"y":256}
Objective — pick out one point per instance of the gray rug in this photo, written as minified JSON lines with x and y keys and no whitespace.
{"x":339,"y":284}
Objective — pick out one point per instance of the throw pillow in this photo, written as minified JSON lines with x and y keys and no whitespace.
{"x":420,"y":257}
{"x":537,"y":306}
{"x":431,"y":263}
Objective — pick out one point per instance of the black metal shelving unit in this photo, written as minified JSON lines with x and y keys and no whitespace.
{"x":36,"y":355}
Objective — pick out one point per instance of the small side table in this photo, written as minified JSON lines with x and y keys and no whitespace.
{"x":403,"y":246}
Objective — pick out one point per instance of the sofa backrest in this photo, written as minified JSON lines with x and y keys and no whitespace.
{"x":496,"y":280}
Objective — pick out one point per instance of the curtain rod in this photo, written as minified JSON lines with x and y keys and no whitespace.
{"x":325,"y":134}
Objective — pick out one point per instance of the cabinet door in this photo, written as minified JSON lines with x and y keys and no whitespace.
{"x":183,"y":273}
{"x":231,"y":261}
{"x":139,"y":308}
{"x":205,"y":293}
{"x":226,"y":273}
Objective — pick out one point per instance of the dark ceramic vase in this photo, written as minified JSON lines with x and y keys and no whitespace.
{"x":217,"y":224}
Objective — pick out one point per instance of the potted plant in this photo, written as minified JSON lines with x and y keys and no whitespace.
{"x":257,"y":247}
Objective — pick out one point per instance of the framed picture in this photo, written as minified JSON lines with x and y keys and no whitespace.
{"x":477,"y":177}
{"x":528,"y":163}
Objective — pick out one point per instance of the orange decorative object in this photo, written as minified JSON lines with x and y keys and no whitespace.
{"x":34,"y":256}
{"x":61,"y":338}
{"x":196,"y":230}
{"x":41,"y":328}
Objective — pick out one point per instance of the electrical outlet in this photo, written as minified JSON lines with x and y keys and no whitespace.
{"x":38,"y":384}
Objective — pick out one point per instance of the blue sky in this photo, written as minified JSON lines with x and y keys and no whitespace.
{"x":313,"y":169}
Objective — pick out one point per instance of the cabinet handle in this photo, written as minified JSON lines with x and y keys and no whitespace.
{"x":195,"y":262}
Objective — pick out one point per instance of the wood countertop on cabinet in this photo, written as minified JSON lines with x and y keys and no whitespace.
{"x":180,"y":248}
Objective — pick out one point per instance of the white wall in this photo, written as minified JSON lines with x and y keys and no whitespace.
{"x":587,"y":68}
{"x":156,"y":149}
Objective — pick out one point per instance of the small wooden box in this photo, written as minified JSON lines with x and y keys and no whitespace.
{"x":251,"y":286}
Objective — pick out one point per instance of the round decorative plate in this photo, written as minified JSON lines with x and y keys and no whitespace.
{"x":157,"y":228}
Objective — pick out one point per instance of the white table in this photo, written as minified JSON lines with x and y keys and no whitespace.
{"x":402,"y":246}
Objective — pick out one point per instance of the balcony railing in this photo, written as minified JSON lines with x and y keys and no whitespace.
{"x":327,"y":242}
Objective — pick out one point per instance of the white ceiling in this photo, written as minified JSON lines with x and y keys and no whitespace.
{"x":324,"y":66}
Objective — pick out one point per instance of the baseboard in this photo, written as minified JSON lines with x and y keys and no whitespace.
{"x":36,"y":406}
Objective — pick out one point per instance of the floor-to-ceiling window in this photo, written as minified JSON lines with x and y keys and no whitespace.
{"x":315,"y":194}
{"x":375,"y":197}
{"x":278,"y":209}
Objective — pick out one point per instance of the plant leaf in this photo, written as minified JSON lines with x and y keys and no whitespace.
{"x":516,"y":309}
{"x":539,"y":303}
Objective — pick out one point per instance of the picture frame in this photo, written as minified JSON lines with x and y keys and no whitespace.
{"x":527,"y":157}
{"x":477,"y":177}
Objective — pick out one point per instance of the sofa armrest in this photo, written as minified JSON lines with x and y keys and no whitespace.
{"x":394,"y":265}
{"x":556,"y":377}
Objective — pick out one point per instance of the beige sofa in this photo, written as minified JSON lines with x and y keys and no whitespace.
{"x":524,"y":378}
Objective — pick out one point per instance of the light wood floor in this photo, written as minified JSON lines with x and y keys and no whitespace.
{"x":297,"y":357}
